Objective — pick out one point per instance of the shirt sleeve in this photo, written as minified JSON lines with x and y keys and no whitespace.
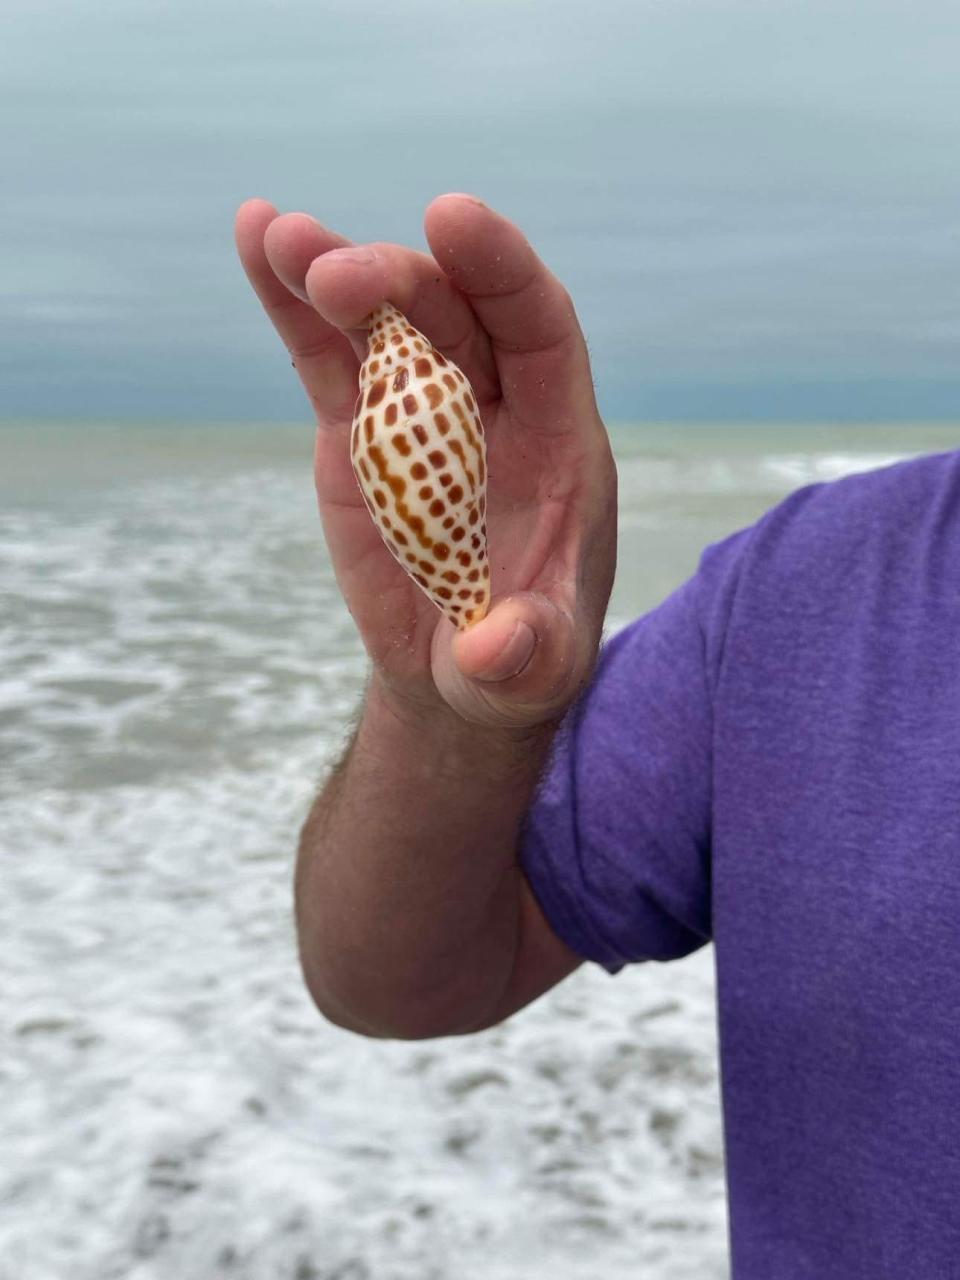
{"x":616,"y":845}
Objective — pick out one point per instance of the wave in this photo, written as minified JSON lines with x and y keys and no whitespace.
{"x":744,"y":475}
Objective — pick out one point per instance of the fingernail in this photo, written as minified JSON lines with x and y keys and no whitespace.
{"x":351,"y":255}
{"x":514,"y":655}
{"x":463,"y":195}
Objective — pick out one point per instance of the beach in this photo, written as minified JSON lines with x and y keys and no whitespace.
{"x":178,"y":672}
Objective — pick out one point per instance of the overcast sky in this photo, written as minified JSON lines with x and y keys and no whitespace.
{"x":773,"y":186}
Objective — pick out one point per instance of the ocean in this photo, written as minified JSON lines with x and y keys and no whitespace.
{"x":178,"y":671}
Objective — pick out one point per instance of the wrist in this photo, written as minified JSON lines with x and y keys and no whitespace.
{"x":417,"y":720}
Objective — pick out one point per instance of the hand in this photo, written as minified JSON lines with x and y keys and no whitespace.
{"x":485,"y":300}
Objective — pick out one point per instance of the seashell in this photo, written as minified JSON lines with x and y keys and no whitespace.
{"x":419,"y":456}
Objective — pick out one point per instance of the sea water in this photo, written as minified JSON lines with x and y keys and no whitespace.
{"x":178,"y":671}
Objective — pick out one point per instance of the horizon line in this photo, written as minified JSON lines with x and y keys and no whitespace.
{"x":105,"y":420}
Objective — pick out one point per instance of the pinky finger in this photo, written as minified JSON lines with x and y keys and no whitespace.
{"x":321,"y":354}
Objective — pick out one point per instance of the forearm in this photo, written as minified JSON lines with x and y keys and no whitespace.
{"x":408,"y":888}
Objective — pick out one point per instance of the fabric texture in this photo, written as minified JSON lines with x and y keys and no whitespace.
{"x":770,"y":761}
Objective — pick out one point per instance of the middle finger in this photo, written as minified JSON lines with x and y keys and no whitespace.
{"x":345,"y":285}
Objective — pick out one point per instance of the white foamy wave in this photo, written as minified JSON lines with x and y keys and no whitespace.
{"x":176,"y":1107}
{"x":169,"y":627}
{"x":178,"y":670}
{"x":772,"y":474}
{"x":798,"y":469}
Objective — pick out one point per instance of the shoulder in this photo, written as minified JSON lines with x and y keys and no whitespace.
{"x":825,"y":527}
{"x":821,"y":552}
{"x":847,"y":513}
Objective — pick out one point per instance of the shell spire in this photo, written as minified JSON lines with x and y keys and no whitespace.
{"x":418,"y":452}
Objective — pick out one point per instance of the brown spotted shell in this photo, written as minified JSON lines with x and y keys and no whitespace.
{"x":419,"y":456}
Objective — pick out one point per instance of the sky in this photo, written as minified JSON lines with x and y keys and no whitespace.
{"x":754,"y":203}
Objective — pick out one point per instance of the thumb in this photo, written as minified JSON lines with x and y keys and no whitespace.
{"x":521,"y":666}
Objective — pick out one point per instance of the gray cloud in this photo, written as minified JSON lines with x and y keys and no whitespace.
{"x":754,"y":204}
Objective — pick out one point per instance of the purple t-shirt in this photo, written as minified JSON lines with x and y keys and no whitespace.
{"x":770,"y":761}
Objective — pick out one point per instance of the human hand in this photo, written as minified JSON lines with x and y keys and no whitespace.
{"x":487,"y":302}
